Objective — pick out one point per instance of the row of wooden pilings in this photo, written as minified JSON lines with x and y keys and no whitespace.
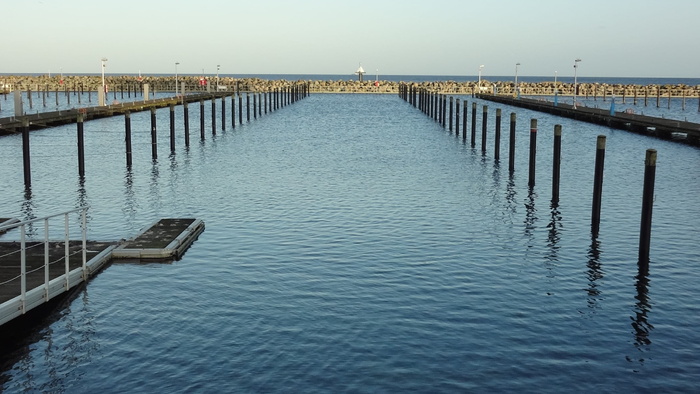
{"x":262,"y":104}
{"x":435,"y":106}
{"x":77,"y":90}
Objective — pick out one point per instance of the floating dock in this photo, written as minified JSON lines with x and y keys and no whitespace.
{"x":670,"y":129}
{"x":34,"y":272}
{"x":164,"y":239}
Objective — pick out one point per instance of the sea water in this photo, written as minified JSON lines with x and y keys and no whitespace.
{"x":354,"y":245}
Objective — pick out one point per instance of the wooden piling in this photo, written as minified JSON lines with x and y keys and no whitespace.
{"x":233,"y":111}
{"x":451,"y":112}
{"x":186,"y":116}
{"x":81,"y":146}
{"x":172,"y":128}
{"x":647,"y":205}
{"x":154,"y":139}
{"x":556,"y":164}
{"x":473,"y":142}
{"x":465,"y":111}
{"x":223,"y":113}
{"x":240,"y":108}
{"x":533,"y":152}
{"x":457,"y":117}
{"x":484,"y":120}
{"x":497,"y":137}
{"x":255,"y":106}
{"x":247,"y":106}
{"x":201,"y":119}
{"x":213,"y":115}
{"x":598,"y":184}
{"x":127,"y":137}
{"x":26,"y":154}
{"x":511,"y":147}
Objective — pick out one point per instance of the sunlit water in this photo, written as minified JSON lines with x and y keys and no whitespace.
{"x":353,"y":245}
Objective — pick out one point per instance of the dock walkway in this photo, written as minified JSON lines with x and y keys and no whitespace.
{"x":686,"y":132}
{"x":41,"y":120}
{"x":34,"y":272}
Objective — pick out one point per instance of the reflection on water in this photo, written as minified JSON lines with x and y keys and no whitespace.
{"x":28,"y":210}
{"x":553,"y":235}
{"x":640,"y":323}
{"x":530,"y":213}
{"x":594,"y":273}
{"x":130,"y":206}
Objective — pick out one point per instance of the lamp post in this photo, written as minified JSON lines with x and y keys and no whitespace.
{"x":555,"y":82}
{"x":516,"y":79}
{"x":217,"y":77}
{"x":575,"y":81}
{"x":104,"y":91}
{"x":480,"y":68}
{"x":176,"y":64}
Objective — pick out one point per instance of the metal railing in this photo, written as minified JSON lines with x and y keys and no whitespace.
{"x":29,"y":298}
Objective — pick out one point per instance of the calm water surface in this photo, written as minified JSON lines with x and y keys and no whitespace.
{"x":352,"y":245}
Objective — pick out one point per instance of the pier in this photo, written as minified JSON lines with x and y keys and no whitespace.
{"x":686,"y":132}
{"x":32,"y":272}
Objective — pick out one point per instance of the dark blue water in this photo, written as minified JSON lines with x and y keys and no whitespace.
{"x":352,"y":245}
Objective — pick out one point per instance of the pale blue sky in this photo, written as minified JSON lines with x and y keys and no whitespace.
{"x":635,"y":38}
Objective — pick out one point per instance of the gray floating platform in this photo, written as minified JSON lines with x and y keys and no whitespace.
{"x":164,"y":239}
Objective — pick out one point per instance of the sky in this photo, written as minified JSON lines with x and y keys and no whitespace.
{"x":613,"y":38}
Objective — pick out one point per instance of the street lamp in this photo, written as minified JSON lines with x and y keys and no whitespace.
{"x":516,"y":78}
{"x":575,"y":81}
{"x":217,"y":76}
{"x":104,"y":91}
{"x":480,"y":68}
{"x":176,"y":64}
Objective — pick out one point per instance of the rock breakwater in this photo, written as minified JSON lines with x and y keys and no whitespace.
{"x":197,"y":84}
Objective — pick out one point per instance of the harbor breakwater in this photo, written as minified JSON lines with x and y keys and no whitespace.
{"x":201,"y":84}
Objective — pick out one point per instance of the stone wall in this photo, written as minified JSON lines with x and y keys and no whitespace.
{"x":93,"y":83}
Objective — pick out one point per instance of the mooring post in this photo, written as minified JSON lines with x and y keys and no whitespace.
{"x":465,"y":111}
{"x":186,"y":116}
{"x":172,"y":128}
{"x":473,"y":125}
{"x":443,"y":114}
{"x":255,"y":106}
{"x":213,"y":115}
{"x":451,"y":111}
{"x":260,"y":104}
{"x":247,"y":106}
{"x":29,"y":95}
{"x":233,"y":110}
{"x":556,"y":164}
{"x":154,"y":139}
{"x":127,"y":137}
{"x":201,"y":119}
{"x":647,"y":205}
{"x":457,"y":117}
{"x":81,"y":146}
{"x":223,"y":112}
{"x":598,"y":184}
{"x":265,"y":98}
{"x":484,"y":121}
{"x":658,"y":96}
{"x":25,"y":153}
{"x":497,"y":138}
{"x":240,"y":108}
{"x":533,"y":152}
